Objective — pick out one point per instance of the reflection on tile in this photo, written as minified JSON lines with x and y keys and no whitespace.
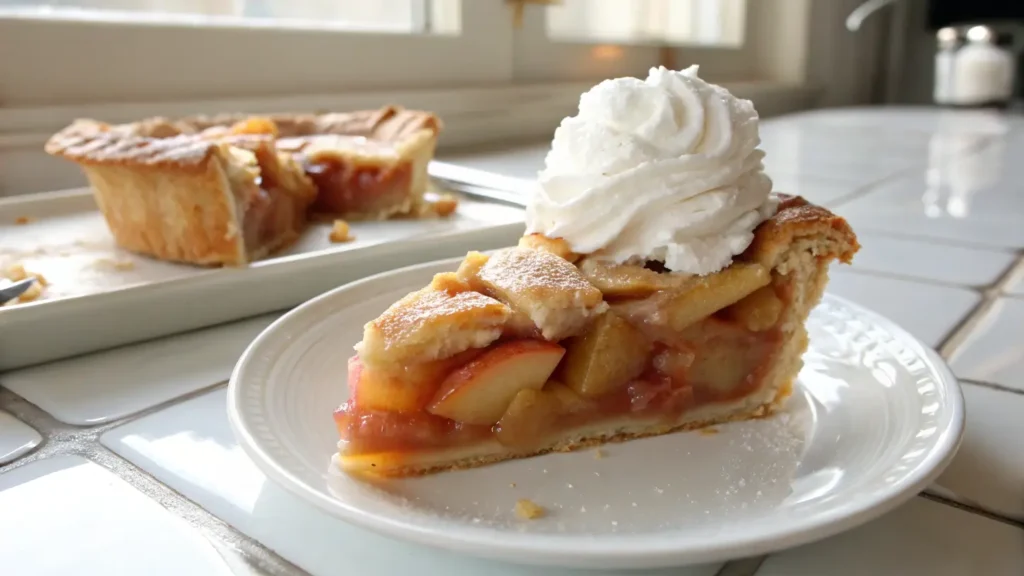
{"x":994,"y":352}
{"x":921,"y":537}
{"x":974,"y":198}
{"x":856,"y":171}
{"x":904,"y":121}
{"x":930,"y":261}
{"x":108,"y":385}
{"x":66,"y":515}
{"x":16,"y":438}
{"x":927,"y":311}
{"x":190,"y":447}
{"x":988,"y":471}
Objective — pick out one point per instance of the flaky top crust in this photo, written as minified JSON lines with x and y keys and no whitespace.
{"x":191,"y":142}
{"x":796,"y":218}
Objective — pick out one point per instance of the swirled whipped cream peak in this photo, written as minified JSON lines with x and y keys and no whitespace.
{"x":665,"y":169}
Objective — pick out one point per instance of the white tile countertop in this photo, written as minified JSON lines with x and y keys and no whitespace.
{"x":125,"y":456}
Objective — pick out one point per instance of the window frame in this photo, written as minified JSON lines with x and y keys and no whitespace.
{"x":237,"y":60}
{"x":501,"y":84}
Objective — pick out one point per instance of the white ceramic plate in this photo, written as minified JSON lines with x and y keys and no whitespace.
{"x":875,"y":416}
{"x":97,"y":291}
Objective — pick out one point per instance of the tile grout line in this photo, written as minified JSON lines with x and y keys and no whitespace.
{"x":940,"y":240}
{"x":956,"y":337}
{"x":853,"y":269}
{"x":992,"y":386}
{"x":742,"y":567}
{"x":972,"y":509}
{"x":61,"y":439}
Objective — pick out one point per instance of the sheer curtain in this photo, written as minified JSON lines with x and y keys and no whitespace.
{"x":702,"y":22}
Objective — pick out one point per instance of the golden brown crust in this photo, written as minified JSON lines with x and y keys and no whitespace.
{"x":430,"y":324}
{"x":135,"y":204}
{"x":190,"y":141}
{"x":797,"y":218}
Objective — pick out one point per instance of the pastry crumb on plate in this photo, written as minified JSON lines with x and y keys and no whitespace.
{"x":528,"y":510}
{"x":22,"y":220}
{"x":340,"y":232}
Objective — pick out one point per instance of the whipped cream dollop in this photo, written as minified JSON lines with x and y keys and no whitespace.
{"x":665,"y":168}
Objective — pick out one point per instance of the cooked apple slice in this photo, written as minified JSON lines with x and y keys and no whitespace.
{"x":674,"y":363}
{"x":481,"y":391}
{"x":628,"y":280}
{"x":711,"y":293}
{"x":529,"y":419}
{"x":757,"y":312}
{"x":402,"y":389}
{"x":726,"y":356}
{"x":608,"y":355}
{"x":570,"y":402}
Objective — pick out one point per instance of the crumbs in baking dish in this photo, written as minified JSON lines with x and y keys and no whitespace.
{"x":17,"y":272}
{"x":528,"y":510}
{"x":119,"y":265}
{"x":340,"y":232}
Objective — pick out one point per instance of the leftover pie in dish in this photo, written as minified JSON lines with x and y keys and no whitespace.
{"x":535,"y":348}
{"x":227,"y":190}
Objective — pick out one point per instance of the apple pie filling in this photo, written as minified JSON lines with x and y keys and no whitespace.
{"x":354,"y":175}
{"x":667,"y":344}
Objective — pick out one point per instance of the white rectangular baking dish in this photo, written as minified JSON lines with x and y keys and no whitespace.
{"x":100,"y":296}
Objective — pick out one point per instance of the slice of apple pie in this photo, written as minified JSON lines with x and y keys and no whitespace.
{"x":230,"y":189}
{"x":535,"y":349}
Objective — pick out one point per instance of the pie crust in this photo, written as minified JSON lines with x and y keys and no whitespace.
{"x":535,"y":349}
{"x":230,"y":189}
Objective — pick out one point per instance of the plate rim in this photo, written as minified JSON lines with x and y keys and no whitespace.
{"x":559,"y":552}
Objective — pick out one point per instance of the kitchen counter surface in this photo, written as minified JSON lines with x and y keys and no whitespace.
{"x":117,"y":463}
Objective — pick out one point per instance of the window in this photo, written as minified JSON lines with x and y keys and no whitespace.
{"x":664,"y":22}
{"x":147,"y":50}
{"x":491,"y":80}
{"x":396,"y":16}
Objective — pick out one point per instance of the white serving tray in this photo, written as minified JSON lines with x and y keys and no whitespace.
{"x":100,"y":296}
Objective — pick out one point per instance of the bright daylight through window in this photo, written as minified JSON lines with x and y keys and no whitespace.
{"x":673,"y":22}
{"x":396,"y":16}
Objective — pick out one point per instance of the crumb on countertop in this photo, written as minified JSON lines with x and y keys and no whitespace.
{"x":340,"y":232}
{"x":22,"y":220}
{"x":445,"y":205}
{"x":708,"y":431}
{"x":599,"y":454}
{"x":528,"y":510}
